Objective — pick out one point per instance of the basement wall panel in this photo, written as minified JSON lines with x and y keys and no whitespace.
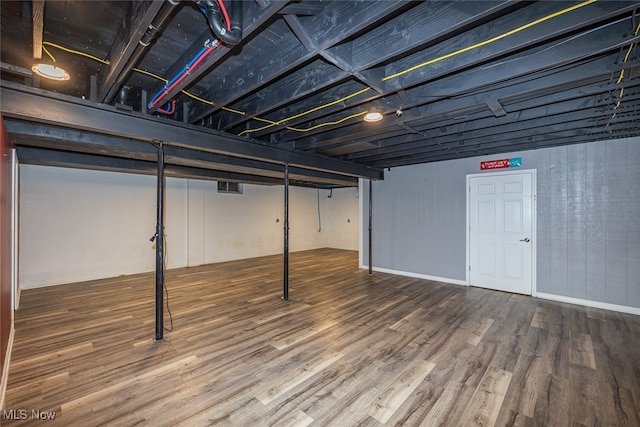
{"x":238,"y":226}
{"x":79,"y":225}
{"x":588,"y":220}
{"x":196,"y":221}
{"x":419,"y":220}
{"x":340,"y":217}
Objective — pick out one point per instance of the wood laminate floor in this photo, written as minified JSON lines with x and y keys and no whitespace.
{"x":349,"y":349}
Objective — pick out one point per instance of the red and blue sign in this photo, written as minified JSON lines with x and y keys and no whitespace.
{"x":515,"y":162}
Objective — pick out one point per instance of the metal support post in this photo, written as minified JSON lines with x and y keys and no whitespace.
{"x":370,"y":226}
{"x":160,"y":246}
{"x":285,"y":294}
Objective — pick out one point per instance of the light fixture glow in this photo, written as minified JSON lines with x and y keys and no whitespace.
{"x":49,"y":71}
{"x":373,"y":116}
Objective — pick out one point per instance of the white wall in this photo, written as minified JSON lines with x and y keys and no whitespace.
{"x":78,"y":225}
{"x":225,"y":227}
{"x":341,"y":218}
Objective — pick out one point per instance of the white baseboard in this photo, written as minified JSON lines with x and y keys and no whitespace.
{"x":542,"y":295}
{"x":5,"y":371}
{"x":417,"y":275}
{"x":589,"y":303}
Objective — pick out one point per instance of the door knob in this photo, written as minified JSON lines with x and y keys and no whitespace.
{"x":526,"y":239}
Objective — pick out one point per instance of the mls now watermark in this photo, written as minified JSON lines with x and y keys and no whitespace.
{"x":25,"y":414}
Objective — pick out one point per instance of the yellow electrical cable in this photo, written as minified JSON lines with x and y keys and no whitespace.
{"x":304,"y":113}
{"x":48,"y":53}
{"x":344,"y":119}
{"x":150,"y":74}
{"x":231,"y":110}
{"x":390,"y":77}
{"x":138,"y":70}
{"x":197,"y":98}
{"x":328,"y":104}
{"x":489,"y":41}
{"x":433,"y":61}
{"x":265,"y":120}
{"x":76,"y":52}
{"x":626,"y":58}
{"x":256,"y":129}
{"x":206,"y":101}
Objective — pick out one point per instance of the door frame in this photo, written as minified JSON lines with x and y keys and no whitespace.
{"x":534,"y":234}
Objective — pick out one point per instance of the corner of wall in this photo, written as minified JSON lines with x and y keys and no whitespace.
{"x":5,"y":369}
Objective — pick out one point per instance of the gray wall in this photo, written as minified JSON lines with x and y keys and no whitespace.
{"x":588,"y":219}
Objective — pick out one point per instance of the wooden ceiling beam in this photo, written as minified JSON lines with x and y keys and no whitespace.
{"x":37,"y":16}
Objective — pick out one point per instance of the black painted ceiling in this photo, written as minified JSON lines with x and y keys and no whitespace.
{"x":453,"y":79}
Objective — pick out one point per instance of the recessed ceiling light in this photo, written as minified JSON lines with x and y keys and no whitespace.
{"x":373,"y":116}
{"x":50,"y":72}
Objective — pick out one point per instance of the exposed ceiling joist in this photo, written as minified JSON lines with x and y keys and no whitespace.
{"x":453,"y":79}
{"x":127,"y":50}
{"x":347,"y":19}
{"x":551,"y":139}
{"x":469,"y":81}
{"x":544,"y":57}
{"x":37,"y":12}
{"x":255,"y":18}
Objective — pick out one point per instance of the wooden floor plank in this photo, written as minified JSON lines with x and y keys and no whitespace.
{"x":447,"y":410}
{"x":101,"y":395}
{"x":395,"y":395}
{"x":348,"y":349}
{"x":486,"y":401}
{"x":582,"y":351}
{"x":296,"y":419}
{"x":288,"y":339}
{"x":274,"y":390}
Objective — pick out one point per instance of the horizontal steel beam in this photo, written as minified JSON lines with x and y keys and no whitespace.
{"x":66,"y":159}
{"x":180,"y":156}
{"x":39,"y":106}
{"x":46,"y":157}
{"x":25,"y":134}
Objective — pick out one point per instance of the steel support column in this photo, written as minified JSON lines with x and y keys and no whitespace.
{"x":159,"y":237}
{"x":285,"y":293}
{"x":370,"y":226}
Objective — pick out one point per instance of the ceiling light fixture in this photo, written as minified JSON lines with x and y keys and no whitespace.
{"x":49,"y":71}
{"x":372,"y":116}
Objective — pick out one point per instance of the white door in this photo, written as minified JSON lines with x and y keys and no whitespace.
{"x":501,"y":231}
